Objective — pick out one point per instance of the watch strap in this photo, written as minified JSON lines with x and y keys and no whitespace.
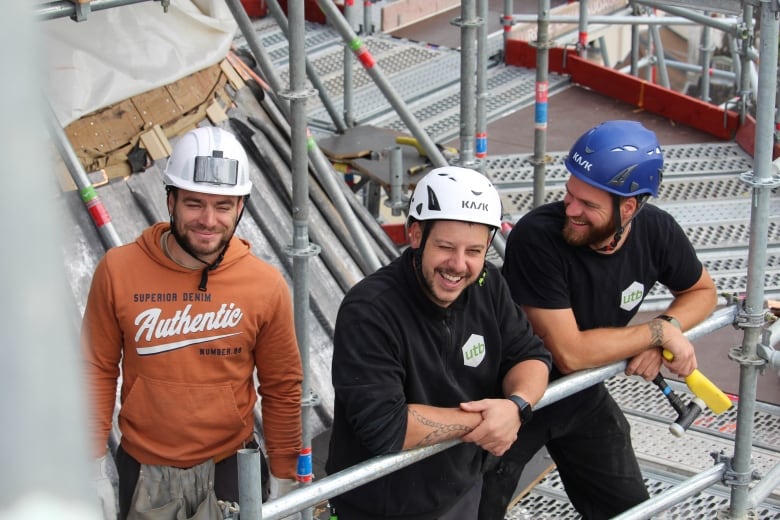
{"x":671,"y":319}
{"x":524,"y":407}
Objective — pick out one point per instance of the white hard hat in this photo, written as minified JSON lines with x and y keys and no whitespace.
{"x":455,"y":193}
{"x":209,"y":160}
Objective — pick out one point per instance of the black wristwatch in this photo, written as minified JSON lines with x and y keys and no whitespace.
{"x":524,"y":407}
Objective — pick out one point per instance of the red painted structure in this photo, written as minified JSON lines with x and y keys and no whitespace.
{"x":665,"y":102}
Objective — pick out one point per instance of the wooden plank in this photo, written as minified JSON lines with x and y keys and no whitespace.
{"x":195,"y":89}
{"x":102,"y":140}
{"x":157,"y":107}
{"x":156,"y":144}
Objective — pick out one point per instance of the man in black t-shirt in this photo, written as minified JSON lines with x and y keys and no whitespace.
{"x":580,"y":269}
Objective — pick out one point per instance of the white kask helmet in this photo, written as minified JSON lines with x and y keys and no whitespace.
{"x":455,"y":193}
{"x":209,"y":160}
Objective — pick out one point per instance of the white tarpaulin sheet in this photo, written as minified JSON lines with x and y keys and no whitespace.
{"x":124,"y":51}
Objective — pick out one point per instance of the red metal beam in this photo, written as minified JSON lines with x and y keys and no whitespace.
{"x":630,"y":89}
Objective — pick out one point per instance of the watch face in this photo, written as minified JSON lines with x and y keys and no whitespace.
{"x":526,"y":414}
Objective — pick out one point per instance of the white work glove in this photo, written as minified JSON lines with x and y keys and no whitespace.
{"x":105,"y":478}
{"x":278,"y":487}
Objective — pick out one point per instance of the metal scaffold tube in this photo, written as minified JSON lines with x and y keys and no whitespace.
{"x":761,"y":181}
{"x":380,"y":466}
{"x":259,"y":53}
{"x":320,"y":163}
{"x":468,"y":24}
{"x":311,"y":73}
{"x":746,"y":64}
{"x":582,"y":37}
{"x":675,"y":495}
{"x":89,"y":196}
{"x":367,"y":60}
{"x":607,"y":20}
{"x":764,"y":487}
{"x":540,"y":108}
{"x":658,"y":45}
{"x":44,"y":442}
{"x":706,"y":61}
{"x":726,"y":25}
{"x":78,"y":10}
{"x":349,"y":115}
{"x":302,"y":250}
{"x":506,"y":19}
{"x":480,"y":137}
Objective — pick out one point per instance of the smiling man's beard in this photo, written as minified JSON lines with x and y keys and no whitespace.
{"x":199,"y":250}
{"x":592,"y":237}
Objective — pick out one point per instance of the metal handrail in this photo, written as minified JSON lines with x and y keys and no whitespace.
{"x":382,"y":465}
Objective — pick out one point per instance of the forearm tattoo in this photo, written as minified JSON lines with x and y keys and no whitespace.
{"x":656,"y":333}
{"x":441,"y":432}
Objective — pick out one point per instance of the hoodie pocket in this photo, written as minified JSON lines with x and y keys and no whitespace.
{"x":180,"y":421}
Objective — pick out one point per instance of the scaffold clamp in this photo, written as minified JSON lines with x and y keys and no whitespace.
{"x":732,"y":477}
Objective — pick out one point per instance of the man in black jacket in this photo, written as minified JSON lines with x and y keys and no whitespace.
{"x":432,"y":348}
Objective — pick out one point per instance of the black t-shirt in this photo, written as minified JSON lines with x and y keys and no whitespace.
{"x":543,"y":271}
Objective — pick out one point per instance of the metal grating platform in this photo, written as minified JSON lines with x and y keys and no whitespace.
{"x":639,"y":397}
{"x":275,"y":43}
{"x":667,"y":460}
{"x":510,"y":89}
{"x":426,"y":77}
{"x":413,"y":70}
{"x":548,"y":501}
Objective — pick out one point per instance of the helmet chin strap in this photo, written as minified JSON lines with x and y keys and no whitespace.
{"x":619,"y":227}
{"x":417,"y":257}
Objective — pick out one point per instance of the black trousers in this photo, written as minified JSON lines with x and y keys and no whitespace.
{"x":589,"y":439}
{"x":225,"y":478}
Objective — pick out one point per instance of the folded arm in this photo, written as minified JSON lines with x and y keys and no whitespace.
{"x":573,"y":349}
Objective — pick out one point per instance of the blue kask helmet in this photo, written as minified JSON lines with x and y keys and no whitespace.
{"x":620,"y":157}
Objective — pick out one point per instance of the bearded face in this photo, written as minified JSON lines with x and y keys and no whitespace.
{"x":583,"y":232}
{"x":205,"y":223}
{"x":590,"y":217}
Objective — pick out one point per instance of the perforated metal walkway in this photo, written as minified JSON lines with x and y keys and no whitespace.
{"x":667,"y":460}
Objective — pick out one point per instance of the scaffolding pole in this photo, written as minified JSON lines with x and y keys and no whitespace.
{"x":752,"y":317}
{"x":369,"y":65}
{"x":302,"y":250}
{"x":468,"y":23}
{"x":334,"y":187}
{"x":311,"y":72}
{"x":540,"y":107}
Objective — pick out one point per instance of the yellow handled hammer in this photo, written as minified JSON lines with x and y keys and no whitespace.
{"x":705,"y":389}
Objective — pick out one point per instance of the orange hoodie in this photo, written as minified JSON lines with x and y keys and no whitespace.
{"x":188,"y":357}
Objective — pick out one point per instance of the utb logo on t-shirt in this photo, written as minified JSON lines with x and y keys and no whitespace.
{"x":632,"y":296}
{"x":473,"y":350}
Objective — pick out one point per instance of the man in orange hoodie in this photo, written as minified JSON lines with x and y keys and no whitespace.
{"x":189,"y":315}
